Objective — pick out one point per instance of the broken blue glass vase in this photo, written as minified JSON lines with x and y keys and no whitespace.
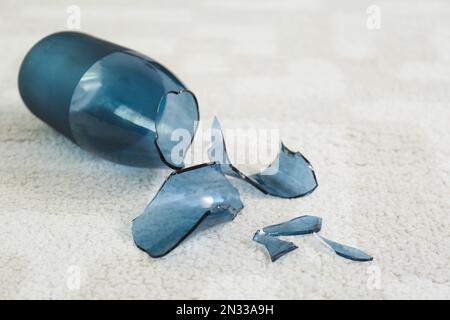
{"x":110,"y":100}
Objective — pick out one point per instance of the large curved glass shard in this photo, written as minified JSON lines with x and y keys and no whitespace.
{"x":190,"y":199}
{"x":345,"y":251}
{"x":276,"y":247}
{"x":297,"y":226}
{"x":289,"y":176}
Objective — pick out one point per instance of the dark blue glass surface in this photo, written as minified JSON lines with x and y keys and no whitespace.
{"x":52,"y":69}
{"x":301,"y":226}
{"x":110,"y":100}
{"x":289,"y":176}
{"x":191,"y":199}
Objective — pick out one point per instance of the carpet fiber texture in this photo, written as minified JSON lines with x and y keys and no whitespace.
{"x":368,"y":106}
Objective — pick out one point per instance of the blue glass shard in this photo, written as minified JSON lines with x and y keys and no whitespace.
{"x":191,"y":199}
{"x":297,"y":226}
{"x":346,"y":251}
{"x":289,"y":176}
{"x":276,"y":247}
{"x":293,"y":178}
{"x":176,"y":124}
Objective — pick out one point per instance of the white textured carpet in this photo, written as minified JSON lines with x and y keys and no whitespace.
{"x":369,"y":108}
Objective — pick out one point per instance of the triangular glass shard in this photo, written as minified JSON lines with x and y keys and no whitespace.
{"x":190,"y":199}
{"x":346,"y":251}
{"x":297,"y":226}
{"x":289,"y":176}
{"x":276,"y":247}
{"x":218,"y":150}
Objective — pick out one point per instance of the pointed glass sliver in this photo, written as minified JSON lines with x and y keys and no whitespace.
{"x":190,"y":199}
{"x":297,"y":226}
{"x":276,"y":247}
{"x":346,"y":251}
{"x":289,"y":176}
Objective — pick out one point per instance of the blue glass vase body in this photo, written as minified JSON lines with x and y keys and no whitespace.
{"x":109,"y":100}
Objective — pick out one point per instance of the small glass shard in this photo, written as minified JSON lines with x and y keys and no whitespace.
{"x":345,"y":251}
{"x":191,"y":199}
{"x":297,"y":226}
{"x":276,"y":247}
{"x":294,"y":177}
{"x":289,"y":176}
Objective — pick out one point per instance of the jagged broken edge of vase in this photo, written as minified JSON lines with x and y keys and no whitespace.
{"x":190,"y":199}
{"x":293,"y":176}
{"x":303,"y":225}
